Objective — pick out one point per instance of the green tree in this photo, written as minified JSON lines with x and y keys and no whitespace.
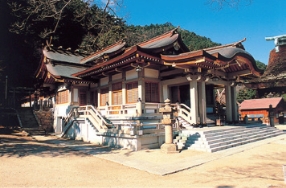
{"x":49,"y":22}
{"x":260,"y":65}
{"x":245,"y":93}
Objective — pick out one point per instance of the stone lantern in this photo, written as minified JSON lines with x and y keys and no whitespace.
{"x":168,"y":121}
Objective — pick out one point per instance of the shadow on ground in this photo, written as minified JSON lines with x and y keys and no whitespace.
{"x":12,"y":145}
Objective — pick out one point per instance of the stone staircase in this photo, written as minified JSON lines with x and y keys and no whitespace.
{"x":29,"y":122}
{"x":220,"y":138}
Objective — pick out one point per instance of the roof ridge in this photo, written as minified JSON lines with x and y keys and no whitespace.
{"x":225,"y":45}
{"x":64,"y":51}
{"x":171,"y":33}
{"x":102,"y":50}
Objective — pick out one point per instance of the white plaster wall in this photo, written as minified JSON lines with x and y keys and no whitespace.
{"x":85,"y":132}
{"x":151,"y":73}
{"x":117,"y":76}
{"x":62,"y":110}
{"x":132,"y":74}
{"x":104,"y":81}
{"x":75,"y":95}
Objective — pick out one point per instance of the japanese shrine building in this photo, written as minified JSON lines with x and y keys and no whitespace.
{"x":127,"y":85}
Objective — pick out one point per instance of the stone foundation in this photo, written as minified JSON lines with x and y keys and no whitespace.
{"x":45,"y":119}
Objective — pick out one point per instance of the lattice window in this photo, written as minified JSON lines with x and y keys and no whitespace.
{"x":117,"y":93}
{"x":131,"y":92}
{"x":151,"y":92}
{"x":62,"y":97}
{"x":104,"y":96}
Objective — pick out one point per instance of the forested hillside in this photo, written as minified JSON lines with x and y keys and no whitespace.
{"x":27,"y":26}
{"x":192,"y":40}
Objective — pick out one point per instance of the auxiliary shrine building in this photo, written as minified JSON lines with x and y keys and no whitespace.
{"x":113,"y":96}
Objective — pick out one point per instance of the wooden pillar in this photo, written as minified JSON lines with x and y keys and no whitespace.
{"x":140,"y":89}
{"x":202,"y":102}
{"x":165,"y":91}
{"x":124,"y":87}
{"x":98,"y":97}
{"x":234,"y":104}
{"x":228,"y":100}
{"x":30,"y":98}
{"x":123,"y":93}
{"x":194,"y":101}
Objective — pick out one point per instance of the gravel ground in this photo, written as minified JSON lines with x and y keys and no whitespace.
{"x":26,"y":162}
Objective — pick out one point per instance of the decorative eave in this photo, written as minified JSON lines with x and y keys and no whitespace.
{"x":229,"y":60}
{"x":49,"y":79}
{"x":132,"y":55}
{"x":41,"y":68}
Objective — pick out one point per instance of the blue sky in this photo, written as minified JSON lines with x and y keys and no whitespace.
{"x":253,"y":21}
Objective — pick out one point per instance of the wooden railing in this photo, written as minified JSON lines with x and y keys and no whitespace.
{"x":71,"y":115}
{"x":90,"y":110}
{"x":184,"y":111}
{"x":133,"y":109}
{"x":124,"y":117}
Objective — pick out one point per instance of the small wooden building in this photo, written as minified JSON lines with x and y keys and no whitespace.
{"x":259,"y":108}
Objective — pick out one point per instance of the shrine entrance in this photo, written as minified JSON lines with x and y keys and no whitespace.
{"x":181,"y":94}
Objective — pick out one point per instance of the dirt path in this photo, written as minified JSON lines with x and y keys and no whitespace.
{"x":29,"y":163}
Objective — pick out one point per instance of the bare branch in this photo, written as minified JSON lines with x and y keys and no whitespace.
{"x":220,"y":4}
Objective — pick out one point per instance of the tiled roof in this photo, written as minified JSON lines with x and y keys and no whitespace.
{"x":264,"y":103}
{"x":110,"y":49}
{"x":227,"y":58}
{"x":63,"y":56}
{"x":228,"y":52}
{"x":128,"y":55}
{"x":64,"y":71}
{"x":161,"y":40}
{"x":164,"y":40}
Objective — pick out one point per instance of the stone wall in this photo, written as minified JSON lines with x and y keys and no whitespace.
{"x":45,"y":119}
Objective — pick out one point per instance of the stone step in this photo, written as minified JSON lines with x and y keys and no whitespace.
{"x":216,"y":140}
{"x":231,"y":131}
{"x":236,"y":142}
{"x":243,"y":131}
{"x":35,"y":131}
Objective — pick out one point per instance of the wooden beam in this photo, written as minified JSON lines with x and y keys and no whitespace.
{"x":239,"y":73}
{"x":171,"y":72}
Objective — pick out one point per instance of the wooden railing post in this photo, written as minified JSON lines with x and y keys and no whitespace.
{"x":139,"y":107}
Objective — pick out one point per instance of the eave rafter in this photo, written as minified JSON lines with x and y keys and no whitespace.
{"x":249,"y":64}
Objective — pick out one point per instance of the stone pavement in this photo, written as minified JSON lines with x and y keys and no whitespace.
{"x":154,"y":161}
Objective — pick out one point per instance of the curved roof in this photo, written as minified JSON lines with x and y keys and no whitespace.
{"x":226,"y":58}
{"x":63,"y":71}
{"x":146,"y":51}
{"x":108,"y":50}
{"x":164,"y":40}
{"x":62,"y":55}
